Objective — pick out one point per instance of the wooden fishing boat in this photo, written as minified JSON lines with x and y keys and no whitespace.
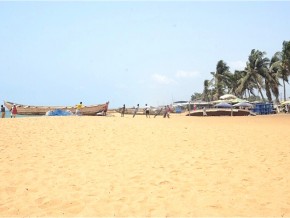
{"x":22,"y":109}
{"x":222,"y":112}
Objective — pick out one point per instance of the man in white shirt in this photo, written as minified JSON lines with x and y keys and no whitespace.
{"x":147,"y":110}
{"x":136,"y":110}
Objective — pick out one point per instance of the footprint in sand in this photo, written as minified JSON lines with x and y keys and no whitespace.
{"x":164,"y":182}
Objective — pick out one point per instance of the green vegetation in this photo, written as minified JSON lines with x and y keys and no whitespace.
{"x":261,"y":75}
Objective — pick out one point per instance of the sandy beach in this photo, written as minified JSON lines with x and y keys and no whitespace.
{"x":113,"y":166}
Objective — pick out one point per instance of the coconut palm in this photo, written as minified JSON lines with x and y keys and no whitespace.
{"x":285,"y":65}
{"x":251,"y":86}
{"x":274,"y":73}
{"x":232,"y":82}
{"x":222,"y":70}
{"x":256,"y":72}
{"x":259,"y":74}
{"x":206,"y":90}
{"x":282,"y":64}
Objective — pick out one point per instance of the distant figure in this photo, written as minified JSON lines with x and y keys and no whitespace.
{"x":204,"y":112}
{"x":286,"y":108}
{"x":123,"y":110}
{"x":277,"y":110}
{"x":147,"y":111}
{"x":78,"y":108}
{"x":166,"y":111}
{"x":136,"y":110}
{"x":188,"y":108}
{"x":3,"y":111}
{"x":13,"y":111}
{"x":157,"y":112}
{"x":194,"y":107}
{"x":106,"y":108}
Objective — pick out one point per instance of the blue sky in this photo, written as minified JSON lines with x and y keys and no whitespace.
{"x":129,"y":52}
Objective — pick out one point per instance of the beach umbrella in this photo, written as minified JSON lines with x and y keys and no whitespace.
{"x":285,"y":102}
{"x":223,"y":105}
{"x":243,"y":104}
{"x":220,"y":101}
{"x":238,"y":100}
{"x":227,"y":96}
{"x":256,"y":102}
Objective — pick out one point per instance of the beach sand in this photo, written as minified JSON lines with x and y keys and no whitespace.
{"x":113,"y":166}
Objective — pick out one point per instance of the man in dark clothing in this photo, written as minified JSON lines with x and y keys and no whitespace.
{"x":3,"y":111}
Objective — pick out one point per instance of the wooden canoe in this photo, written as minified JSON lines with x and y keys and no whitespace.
{"x":22,"y":109}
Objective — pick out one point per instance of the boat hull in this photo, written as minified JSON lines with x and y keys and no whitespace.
{"x":91,"y":110}
{"x":222,"y":112}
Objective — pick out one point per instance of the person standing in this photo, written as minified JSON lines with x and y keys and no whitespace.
{"x":136,"y":110}
{"x":147,"y":111}
{"x":3,"y":111}
{"x":286,"y":108}
{"x":204,"y":112}
{"x":123,"y":110}
{"x":106,"y":108}
{"x":78,"y":108}
{"x":158,"y":111}
{"x":166,"y":111}
{"x":13,"y":111}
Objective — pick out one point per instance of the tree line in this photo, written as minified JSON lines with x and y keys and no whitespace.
{"x":261,"y":75}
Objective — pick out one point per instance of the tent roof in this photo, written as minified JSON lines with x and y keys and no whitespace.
{"x":228,"y":96}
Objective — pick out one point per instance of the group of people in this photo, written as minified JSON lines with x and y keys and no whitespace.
{"x":13,"y":111}
{"x":146,"y":109}
{"x":166,"y":111}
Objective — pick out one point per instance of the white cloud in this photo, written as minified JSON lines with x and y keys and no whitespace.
{"x":237,"y":65}
{"x":162,"y":79}
{"x":186,"y":74}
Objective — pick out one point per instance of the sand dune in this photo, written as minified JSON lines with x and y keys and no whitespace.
{"x":113,"y":166}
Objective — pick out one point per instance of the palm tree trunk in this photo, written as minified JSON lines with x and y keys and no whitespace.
{"x":284,"y":87}
{"x":261,"y":93}
{"x":259,"y":89}
{"x":268,"y":91}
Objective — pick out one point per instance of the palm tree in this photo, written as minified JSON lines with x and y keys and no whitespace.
{"x":206,"y":90}
{"x":255,"y":72}
{"x":285,"y":64}
{"x":222,"y":70}
{"x":251,"y":86}
{"x":274,"y":73}
{"x":232,"y":82}
{"x":282,"y":64}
